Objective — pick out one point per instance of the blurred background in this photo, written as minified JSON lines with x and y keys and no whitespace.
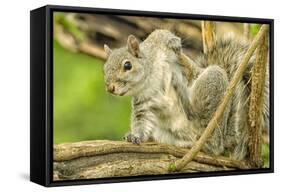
{"x":83,"y":110}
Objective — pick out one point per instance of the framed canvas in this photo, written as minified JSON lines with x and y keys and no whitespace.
{"x":126,"y":95}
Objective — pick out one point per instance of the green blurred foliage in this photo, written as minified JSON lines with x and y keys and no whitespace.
{"x":265,"y":155}
{"x":83,"y":110}
{"x":254,"y":28}
{"x":60,"y":18}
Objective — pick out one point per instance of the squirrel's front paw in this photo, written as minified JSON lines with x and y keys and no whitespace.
{"x":175,"y":44}
{"x":132,"y":138}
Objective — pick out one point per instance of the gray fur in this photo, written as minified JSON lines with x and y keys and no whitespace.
{"x":166,"y":107}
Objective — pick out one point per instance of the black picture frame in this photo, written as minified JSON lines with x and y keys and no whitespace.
{"x":41,"y":93}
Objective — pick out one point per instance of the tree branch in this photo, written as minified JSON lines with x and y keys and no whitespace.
{"x":191,"y":69}
{"x":208,"y":36}
{"x":256,"y":103}
{"x":102,"y":158}
{"x":246,"y":31}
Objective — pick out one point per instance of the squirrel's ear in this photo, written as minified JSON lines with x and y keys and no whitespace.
{"x":107,"y":50}
{"x":133,"y":45}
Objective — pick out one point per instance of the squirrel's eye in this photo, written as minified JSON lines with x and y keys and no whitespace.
{"x":127,"y":66}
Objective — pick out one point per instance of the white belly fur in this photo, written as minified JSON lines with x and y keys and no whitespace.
{"x":174,"y":128}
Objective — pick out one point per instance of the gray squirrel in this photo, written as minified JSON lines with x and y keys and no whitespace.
{"x":170,"y":108}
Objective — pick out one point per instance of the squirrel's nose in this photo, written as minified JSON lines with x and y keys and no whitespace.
{"x":111,"y":88}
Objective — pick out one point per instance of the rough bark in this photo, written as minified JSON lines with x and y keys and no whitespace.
{"x":256,"y":103}
{"x":103,"y":158}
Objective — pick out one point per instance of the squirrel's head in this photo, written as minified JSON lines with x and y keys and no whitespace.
{"x":124,"y":69}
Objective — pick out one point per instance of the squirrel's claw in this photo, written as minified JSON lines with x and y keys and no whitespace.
{"x":132,"y":138}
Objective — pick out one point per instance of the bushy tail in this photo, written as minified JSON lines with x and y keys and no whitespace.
{"x":228,"y":54}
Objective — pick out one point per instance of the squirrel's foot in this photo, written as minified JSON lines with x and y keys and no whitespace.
{"x":132,"y":138}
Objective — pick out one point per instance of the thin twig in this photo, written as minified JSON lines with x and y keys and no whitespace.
{"x":191,"y":69}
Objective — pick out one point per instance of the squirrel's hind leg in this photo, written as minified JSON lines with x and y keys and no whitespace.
{"x":206,"y":94}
